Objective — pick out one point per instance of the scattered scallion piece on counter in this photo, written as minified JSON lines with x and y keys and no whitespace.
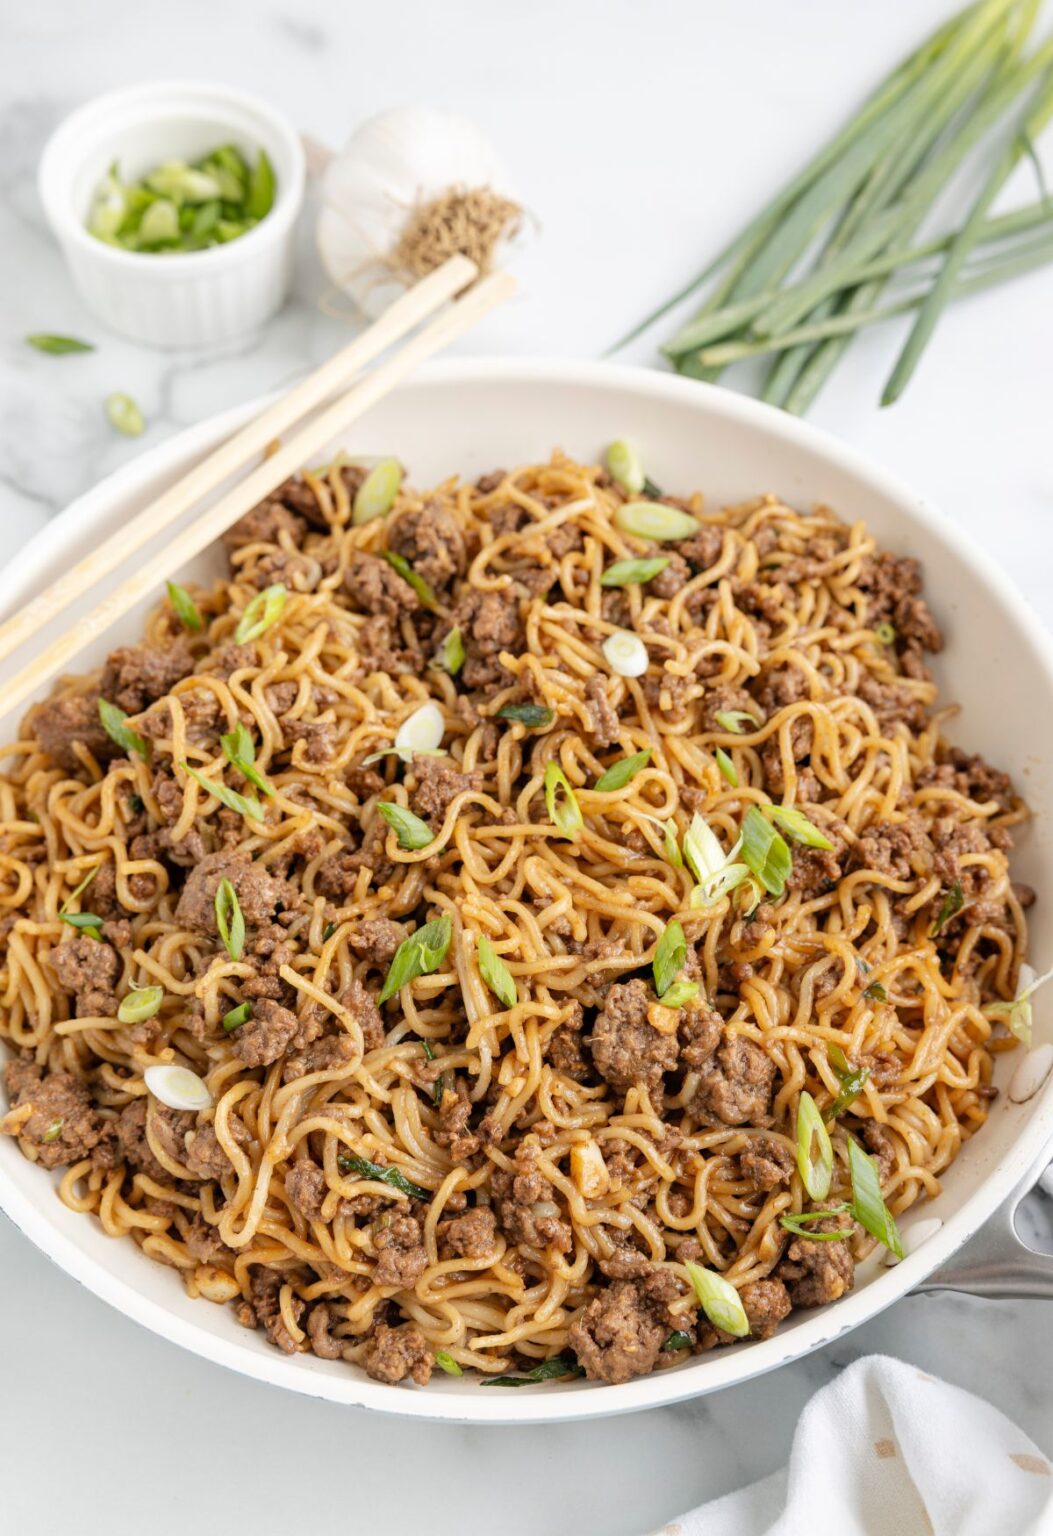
{"x":230,"y":922}
{"x":496,"y":974}
{"x":124,"y":415}
{"x":58,"y":346}
{"x":552,"y":1369}
{"x":412,"y":833}
{"x":184,"y":607}
{"x":815,"y":1152}
{"x":622,"y":772}
{"x":179,"y":207}
{"x":114,"y":722}
{"x":362,"y":1168}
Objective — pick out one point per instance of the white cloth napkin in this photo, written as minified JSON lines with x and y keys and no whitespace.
{"x":886,"y":1450}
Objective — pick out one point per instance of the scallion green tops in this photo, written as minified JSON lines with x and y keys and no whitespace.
{"x":184,"y":207}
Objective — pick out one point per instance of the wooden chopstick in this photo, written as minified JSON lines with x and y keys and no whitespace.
{"x":241,"y":498}
{"x":408,"y":311}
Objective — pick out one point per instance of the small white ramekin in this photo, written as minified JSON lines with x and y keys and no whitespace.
{"x":184,"y":299}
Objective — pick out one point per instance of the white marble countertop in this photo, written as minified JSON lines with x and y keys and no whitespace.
{"x":640,"y":136}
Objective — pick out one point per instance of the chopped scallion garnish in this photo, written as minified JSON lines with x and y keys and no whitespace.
{"x":679,"y":993}
{"x":57,"y":346}
{"x":669,"y":956}
{"x":799,"y":1223}
{"x":451,"y":653}
{"x":445,"y":1361}
{"x":412,"y":833}
{"x":114,"y":724}
{"x":533,"y":715}
{"x":141,"y":1003}
{"x":622,"y":772}
{"x":400,"y":564}
{"x":868,"y":1205}
{"x":796,"y":825}
{"x":654,"y":520}
{"x":950,"y":907}
{"x":624,"y":466}
{"x":496,"y":974}
{"x":184,"y":607}
{"x":852,"y":1080}
{"x":555,"y":1367}
{"x":86,"y":920}
{"x":240,"y":751}
{"x":262,"y":613}
{"x":719,"y":1300}
{"x":633,"y":573}
{"x":676,"y":1341}
{"x":815,"y":1152}
{"x":734,"y":720}
{"x":81,"y":887}
{"x":727,"y":768}
{"x":362,"y":1168}
{"x":230,"y":922}
{"x":561,"y":802}
{"x":419,"y":955}
{"x":765,"y":852}
{"x":375,"y":497}
{"x":236,"y":1017}
{"x":124,"y":415}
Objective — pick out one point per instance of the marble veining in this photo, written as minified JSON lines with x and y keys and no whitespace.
{"x":613,"y":117}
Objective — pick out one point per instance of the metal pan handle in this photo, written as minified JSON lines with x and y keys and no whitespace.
{"x":996,"y":1263}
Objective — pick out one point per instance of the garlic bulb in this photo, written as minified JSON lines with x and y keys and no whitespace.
{"x":413,"y":186}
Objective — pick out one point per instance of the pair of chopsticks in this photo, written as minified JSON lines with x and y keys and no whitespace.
{"x":342,"y":376}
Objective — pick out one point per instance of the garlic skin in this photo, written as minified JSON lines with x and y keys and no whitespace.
{"x":392,"y":164}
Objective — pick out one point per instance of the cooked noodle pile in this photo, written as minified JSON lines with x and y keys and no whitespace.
{"x":451,"y":1172}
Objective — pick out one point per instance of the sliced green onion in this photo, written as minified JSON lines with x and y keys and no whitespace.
{"x":633,"y":573}
{"x":260,"y":198}
{"x":676,"y":1341}
{"x":79,"y":889}
{"x":703,"y":850}
{"x":184,"y":607}
{"x":245,"y":805}
{"x":654,"y":520}
{"x":236,"y":1017}
{"x":419,"y":955}
{"x":394,"y":1178}
{"x":263,"y":611}
{"x":187,"y":183}
{"x":533,"y":715}
{"x":796,"y":825}
{"x":124,"y":415}
{"x":54,"y":1131}
{"x":728,"y":879}
{"x":552,"y":1369}
{"x":734,"y":720}
{"x":876,"y":992}
{"x":719,"y":1300}
{"x":852,"y":1080}
{"x":230,"y":922}
{"x":422,"y":731}
{"x":561,"y":802}
{"x":765,"y":853}
{"x":624,"y":466}
{"x":159,"y":223}
{"x":85,"y":920}
{"x":328,"y":931}
{"x":113,"y":723}
{"x":140,"y":1004}
{"x":400,"y":564}
{"x":952,"y":904}
{"x":625,"y":653}
{"x":815,"y":1152}
{"x":671,"y":844}
{"x":669,"y":956}
{"x":375,"y":497}
{"x":679,"y":993}
{"x":1017,"y":1012}
{"x":868,"y":1205}
{"x":622,"y":772}
{"x":445,"y":1361}
{"x":428,"y":1049}
{"x":58,"y":346}
{"x":496,"y":974}
{"x":451,"y":653}
{"x":886,"y":633}
{"x":727,"y":768}
{"x":798,"y":1222}
{"x":240,"y":750}
{"x":412,"y":833}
